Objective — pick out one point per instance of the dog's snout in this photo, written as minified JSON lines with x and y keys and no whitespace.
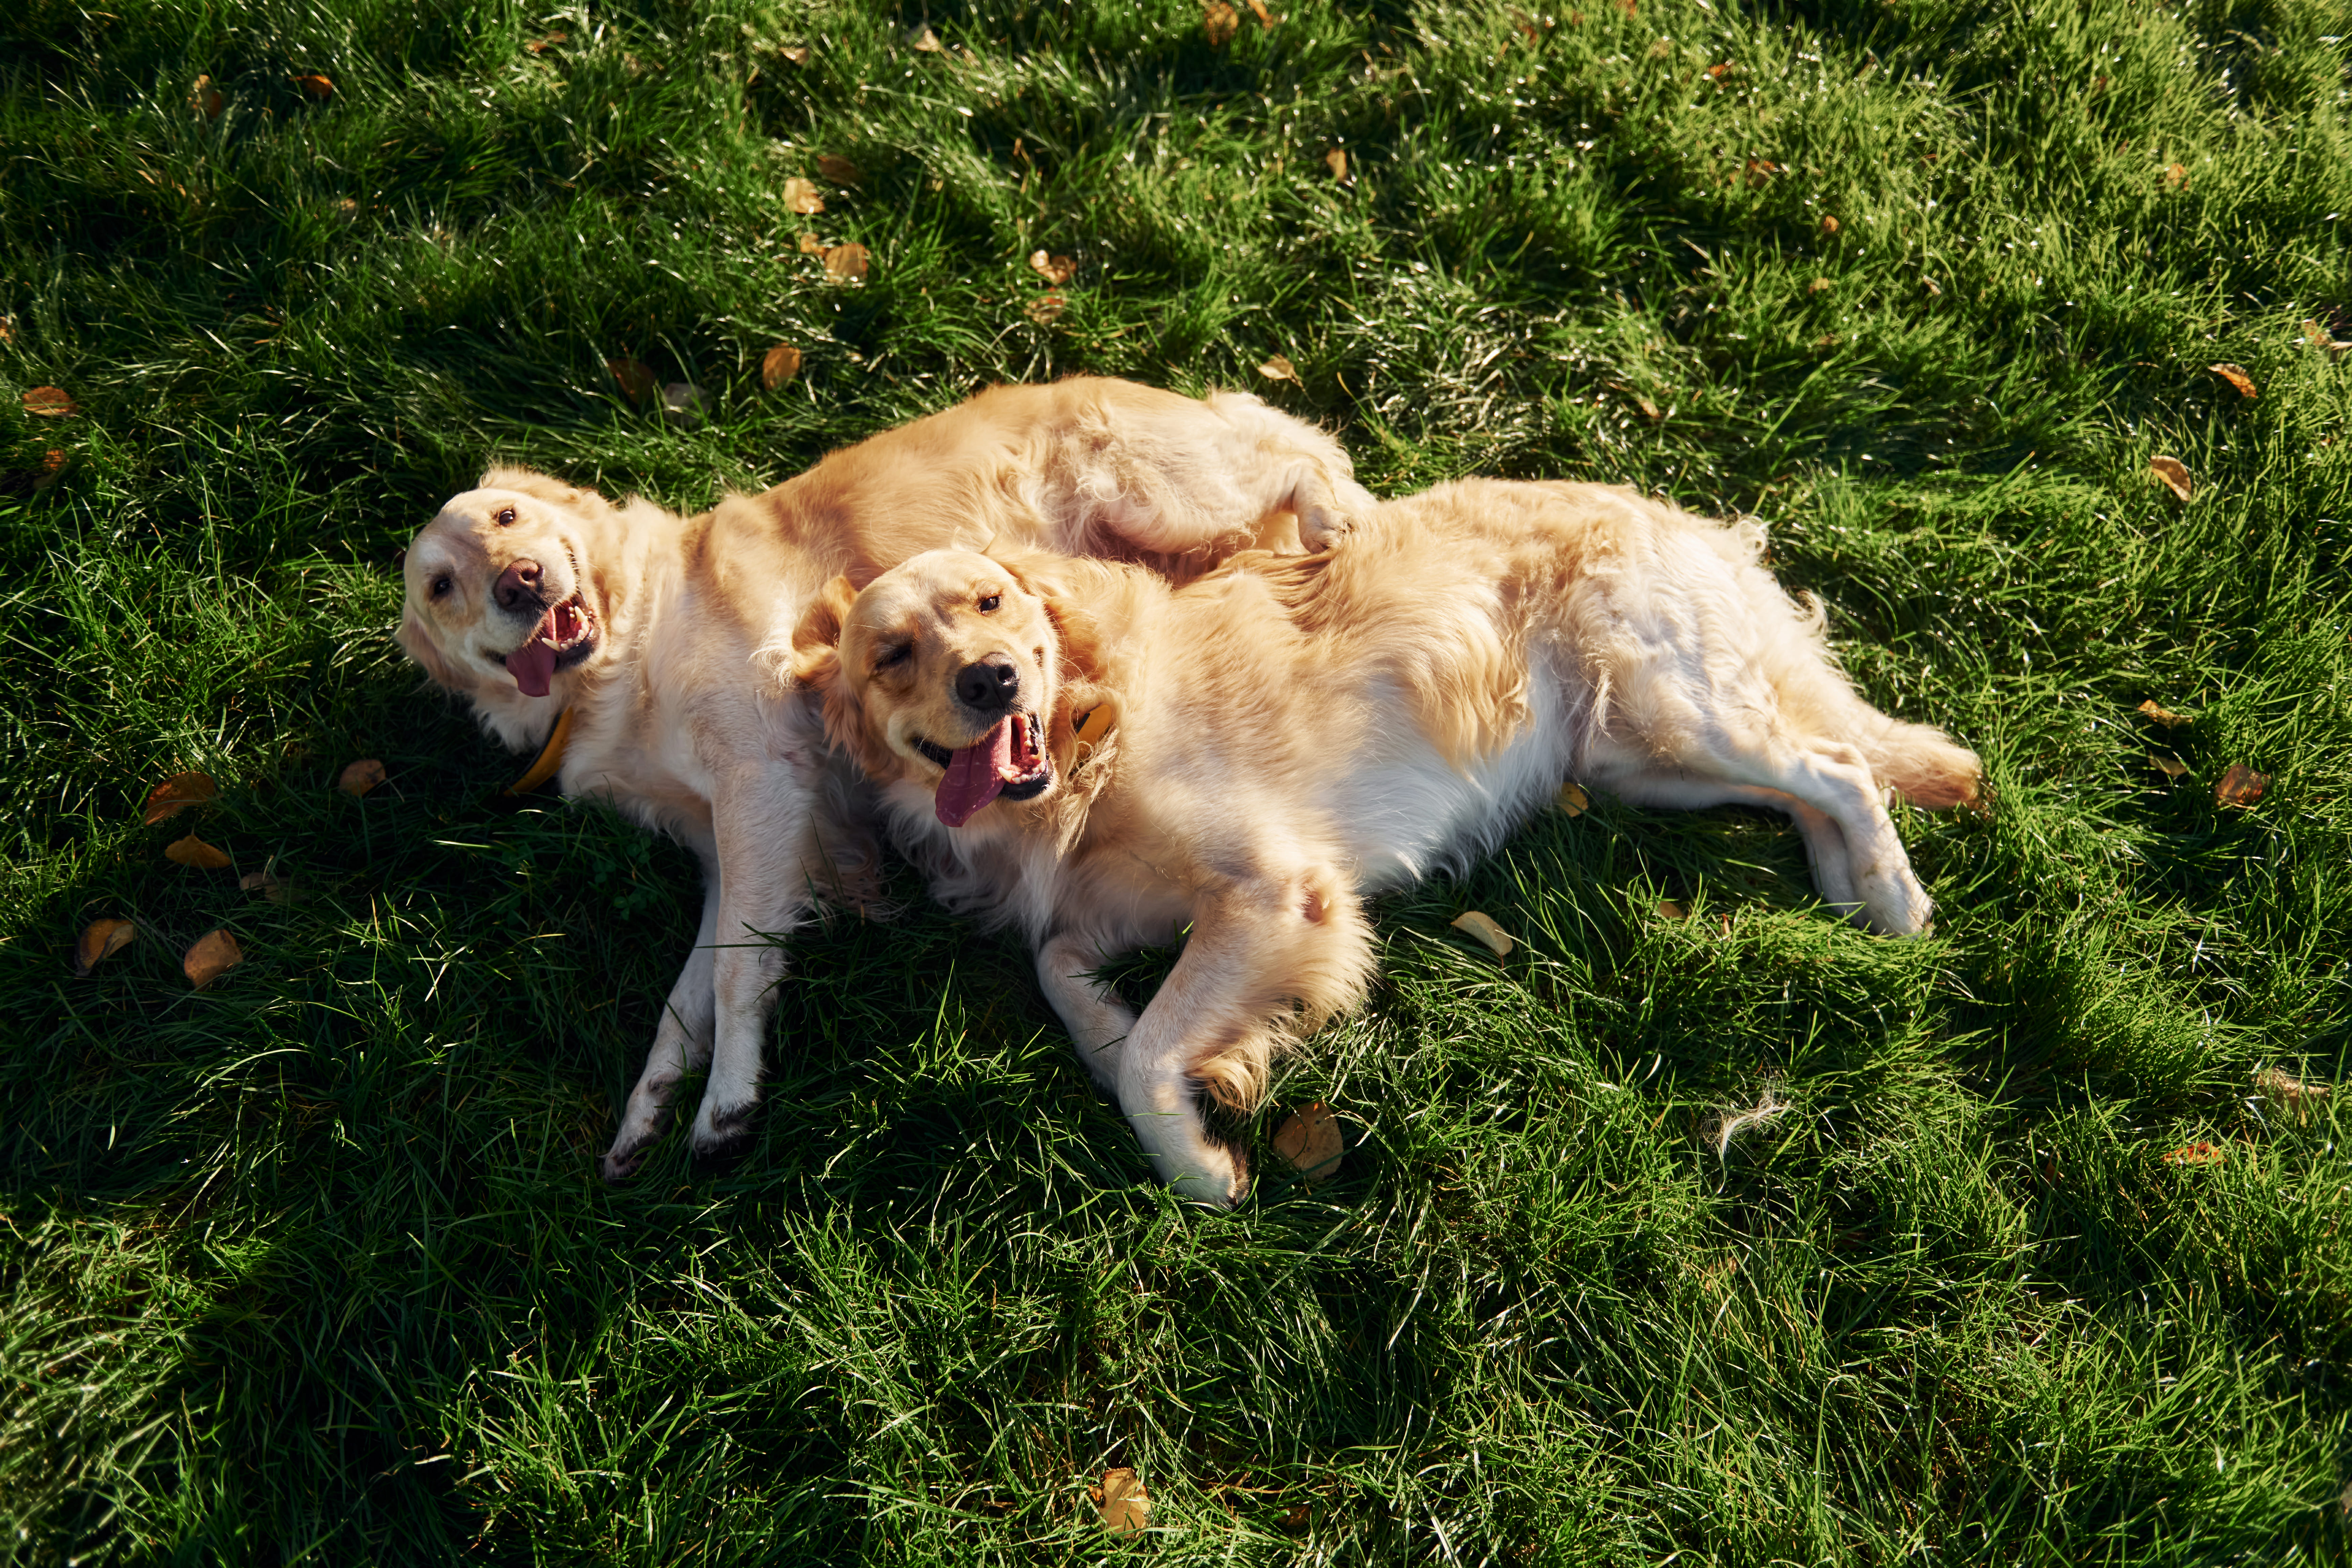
{"x":518,"y":586}
{"x":988,"y":684}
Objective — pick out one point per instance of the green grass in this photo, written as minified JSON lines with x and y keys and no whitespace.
{"x":314,"y":1265}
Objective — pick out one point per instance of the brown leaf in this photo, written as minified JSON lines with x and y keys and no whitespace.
{"x":840,"y":171}
{"x":2173,"y":472}
{"x":176,"y":794}
{"x":2241,"y":786}
{"x":1126,"y":1506}
{"x":1627,"y":6}
{"x":2164,"y":716}
{"x":801,"y":196}
{"x":2235,"y":374}
{"x":1719,"y":72}
{"x":316,"y":86}
{"x":796,"y":53}
{"x":1055,"y":270}
{"x":1761,"y":170}
{"x":1820,"y":286}
{"x":1829,"y":224}
{"x":2174,"y":177}
{"x":194,"y":851}
{"x":205,"y":99}
{"x":778,"y":365}
{"x":847,"y":263}
{"x":51,"y":403}
{"x":102,"y":940}
{"x":2193,"y":1155}
{"x":1046,"y":309}
{"x":1279,"y":367}
{"x":811,"y":245}
{"x":1220,"y":22}
{"x":278,"y":889}
{"x":1265,"y":18}
{"x":1472,"y":922}
{"x":1573,"y":800}
{"x":2278,"y":1084}
{"x":540,"y":44}
{"x":1311,"y":1141}
{"x":2322,"y":338}
{"x":53,"y":466}
{"x":1336,"y":159}
{"x":1668,"y":909}
{"x":635,"y":380}
{"x":2170,"y":766}
{"x":1649,"y":409}
{"x":924,"y":40}
{"x":213,"y":954}
{"x":360,"y":776}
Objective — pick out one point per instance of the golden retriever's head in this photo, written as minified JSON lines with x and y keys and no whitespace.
{"x":946,"y":669}
{"x":498,"y":604}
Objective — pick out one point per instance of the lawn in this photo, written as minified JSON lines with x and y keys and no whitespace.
{"x":2036,"y":1256}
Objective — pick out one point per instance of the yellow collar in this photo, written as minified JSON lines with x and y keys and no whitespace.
{"x":550,"y":757}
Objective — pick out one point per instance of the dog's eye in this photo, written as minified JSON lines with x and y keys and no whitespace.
{"x":894,"y":656}
{"x":506,"y":517}
{"x":988,"y":606}
{"x":441,"y":586}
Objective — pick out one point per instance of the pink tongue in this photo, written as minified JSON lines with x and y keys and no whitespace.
{"x":534,"y":664}
{"x":975,"y":774}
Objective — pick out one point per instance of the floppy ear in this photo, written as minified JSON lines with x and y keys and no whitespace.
{"x":535,"y":485}
{"x":1068,"y":588}
{"x":816,"y":641}
{"x":418,"y":644}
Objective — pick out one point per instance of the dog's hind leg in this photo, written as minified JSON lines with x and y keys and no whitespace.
{"x":1825,"y":845}
{"x":681,"y":1045}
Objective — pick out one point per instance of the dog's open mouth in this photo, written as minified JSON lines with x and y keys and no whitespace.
{"x":564,"y":635}
{"x":1007,"y":761}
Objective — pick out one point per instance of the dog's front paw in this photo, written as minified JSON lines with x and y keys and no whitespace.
{"x":1218,"y":1177}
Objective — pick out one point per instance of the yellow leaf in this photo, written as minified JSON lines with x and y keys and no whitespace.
{"x":1336,"y":159}
{"x":1126,"y":1506}
{"x":102,"y":940}
{"x":2320,"y":337}
{"x":194,"y":851}
{"x":1829,"y":224}
{"x":924,"y":40}
{"x":778,"y":365}
{"x":1265,"y":19}
{"x":315,"y":86}
{"x":540,"y":44}
{"x":2235,"y":374}
{"x":2193,"y":1155}
{"x":1472,"y":923}
{"x":2175,"y":175}
{"x":801,"y":196}
{"x":1278,"y":368}
{"x":847,"y":263}
{"x":840,"y":171}
{"x":2241,"y":786}
{"x":811,"y":245}
{"x":2172,"y":767}
{"x":360,"y":776}
{"x":213,"y":954}
{"x":2173,"y":472}
{"x":1055,"y":270}
{"x":51,"y":402}
{"x":176,"y":794}
{"x":1573,"y":800}
{"x":1310,"y":1140}
{"x":2162,"y":715}
{"x":205,"y":99}
{"x":796,"y":53}
{"x":1220,"y":22}
{"x":1046,"y":309}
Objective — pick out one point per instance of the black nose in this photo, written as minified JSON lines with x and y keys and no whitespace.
{"x":518,"y":586}
{"x":989,"y":684}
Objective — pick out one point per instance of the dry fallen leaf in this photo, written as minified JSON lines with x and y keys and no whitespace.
{"x":176,"y":794}
{"x":1472,"y":922}
{"x":1055,"y":270}
{"x":278,"y":889}
{"x":1649,"y":409}
{"x":1820,"y":286}
{"x":778,"y":365}
{"x":2277,"y":1083}
{"x":2193,"y":1155}
{"x":1046,"y":309}
{"x":1573,"y":800}
{"x":796,"y":53}
{"x":635,"y":380}
{"x":682,"y":403}
{"x":1336,"y":159}
{"x":315,"y":86}
{"x":51,"y":403}
{"x":2170,"y":766}
{"x":2164,"y":716}
{"x":847,"y":263}
{"x":539,"y":45}
{"x":102,"y":940}
{"x":811,"y":245}
{"x":1829,"y":224}
{"x":205,"y":99}
{"x":2241,"y":786}
{"x":1717,"y":72}
{"x":1220,"y":22}
{"x":924,"y":39}
{"x":801,"y":196}
{"x":1668,"y":909}
{"x":213,"y":954}
{"x":360,"y":776}
{"x":194,"y":851}
{"x":2235,"y":374}
{"x":1311,"y":1141}
{"x":840,"y":171}
{"x":1278,"y":368}
{"x":1126,"y":1506}
{"x":2173,"y":472}
{"x":2320,"y":337}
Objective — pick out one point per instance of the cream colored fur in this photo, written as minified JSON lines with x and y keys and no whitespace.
{"x":680,"y":716}
{"x":1293,"y":735}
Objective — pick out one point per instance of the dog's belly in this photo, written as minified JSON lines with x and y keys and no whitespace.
{"x":1409,"y":812}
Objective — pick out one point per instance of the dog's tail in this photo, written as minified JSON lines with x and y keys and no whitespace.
{"x":1921,"y":763}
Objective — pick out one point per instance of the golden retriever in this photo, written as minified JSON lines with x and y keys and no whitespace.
{"x":663,"y":636}
{"x":1102,"y":758}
